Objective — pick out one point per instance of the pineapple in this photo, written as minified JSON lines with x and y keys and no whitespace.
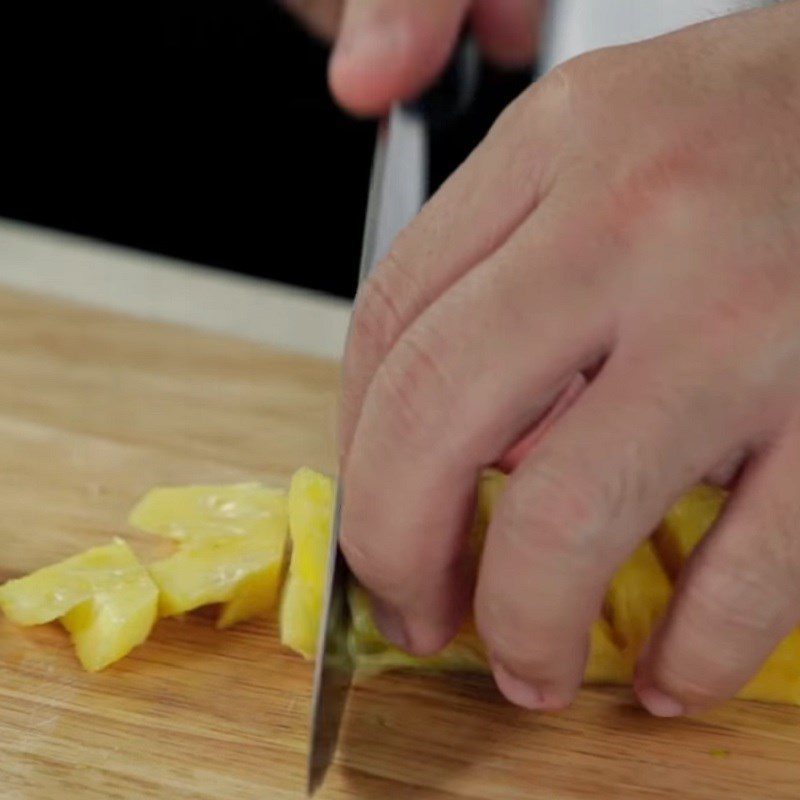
{"x":636,"y":599}
{"x":685,"y":524}
{"x":310,"y":513}
{"x":231,"y":547}
{"x":192,"y":513}
{"x":778,"y":681}
{"x":311,"y":497}
{"x":103,"y":597}
{"x":637,"y":596}
{"x":242,"y":572}
{"x":231,"y":550}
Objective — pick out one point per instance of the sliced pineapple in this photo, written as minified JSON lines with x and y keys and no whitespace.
{"x":607,"y":663}
{"x":311,"y":497}
{"x":243,"y":572}
{"x":232,"y":543}
{"x":48,"y":593}
{"x":685,"y":524}
{"x":310,"y":511}
{"x":104,"y":598}
{"x":636,"y":599}
{"x":490,"y":487}
{"x":192,"y":513}
{"x":778,"y":681}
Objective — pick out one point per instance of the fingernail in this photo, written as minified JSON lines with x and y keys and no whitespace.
{"x":658,"y":703}
{"x":369,"y":41}
{"x":390,"y":624}
{"x":517,"y":690}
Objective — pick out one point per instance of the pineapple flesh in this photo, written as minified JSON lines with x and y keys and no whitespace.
{"x":636,"y":599}
{"x":310,"y":512}
{"x":103,"y":597}
{"x":194,"y":513}
{"x":311,"y":497}
{"x":231,"y":547}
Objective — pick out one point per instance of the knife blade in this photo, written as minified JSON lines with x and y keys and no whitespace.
{"x":397,"y":189}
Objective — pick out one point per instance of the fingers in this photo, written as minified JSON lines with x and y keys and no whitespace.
{"x":508,"y":30}
{"x":390,"y":50}
{"x":471,"y":216}
{"x":738,"y":596}
{"x":511,"y":459}
{"x":443,"y":405}
{"x":321,"y":17}
{"x":576,"y":507}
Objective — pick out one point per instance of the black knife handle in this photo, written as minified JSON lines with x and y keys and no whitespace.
{"x":450,"y":97}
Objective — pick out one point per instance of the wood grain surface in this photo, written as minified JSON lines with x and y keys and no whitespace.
{"x":96,"y":408}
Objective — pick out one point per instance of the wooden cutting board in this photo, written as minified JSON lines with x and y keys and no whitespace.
{"x":96,"y":408}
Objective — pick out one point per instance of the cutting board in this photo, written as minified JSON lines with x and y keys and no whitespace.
{"x":96,"y":408}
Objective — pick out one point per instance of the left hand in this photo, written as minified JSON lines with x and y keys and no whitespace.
{"x":388,"y":50}
{"x":634,"y":216}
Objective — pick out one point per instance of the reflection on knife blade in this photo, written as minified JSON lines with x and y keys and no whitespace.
{"x":397,"y":189}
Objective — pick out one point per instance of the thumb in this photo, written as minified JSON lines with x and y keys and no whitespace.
{"x":390,"y":50}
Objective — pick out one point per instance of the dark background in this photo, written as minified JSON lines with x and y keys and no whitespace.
{"x":200,"y":130}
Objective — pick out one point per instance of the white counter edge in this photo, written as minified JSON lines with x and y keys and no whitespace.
{"x":154,"y":287}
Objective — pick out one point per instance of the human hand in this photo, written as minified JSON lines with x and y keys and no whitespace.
{"x":635,"y":216}
{"x":387,"y":50}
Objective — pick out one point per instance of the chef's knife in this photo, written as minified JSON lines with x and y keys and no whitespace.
{"x":398,"y":187}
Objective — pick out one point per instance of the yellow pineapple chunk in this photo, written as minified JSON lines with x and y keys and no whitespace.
{"x":606,"y":664}
{"x":778,"y":681}
{"x":310,"y":512}
{"x":490,"y":487}
{"x":104,"y":598}
{"x":232,"y":543}
{"x":685,"y":524}
{"x":636,"y":599}
{"x":48,"y":593}
{"x":191,"y":513}
{"x":243,"y":572}
{"x":311,"y":497}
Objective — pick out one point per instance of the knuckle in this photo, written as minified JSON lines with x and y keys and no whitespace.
{"x":412,"y":387}
{"x":553,"y":509}
{"x":378,"y":317}
{"x":548,"y":98}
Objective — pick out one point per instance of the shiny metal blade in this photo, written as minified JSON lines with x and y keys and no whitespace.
{"x":398,"y":185}
{"x":397,"y":189}
{"x":333,"y":669}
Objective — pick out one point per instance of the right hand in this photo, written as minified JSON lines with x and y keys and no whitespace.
{"x":388,"y":50}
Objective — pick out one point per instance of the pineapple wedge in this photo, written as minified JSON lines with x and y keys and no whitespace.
{"x":636,"y":599}
{"x":778,"y":681}
{"x":685,"y":524}
{"x":310,"y":511}
{"x":637,"y":596}
{"x":232,"y":544}
{"x":242,"y":572}
{"x":193,"y":513}
{"x":310,"y":503}
{"x":103,"y":597}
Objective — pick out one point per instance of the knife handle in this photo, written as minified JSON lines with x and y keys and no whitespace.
{"x":450,"y":97}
